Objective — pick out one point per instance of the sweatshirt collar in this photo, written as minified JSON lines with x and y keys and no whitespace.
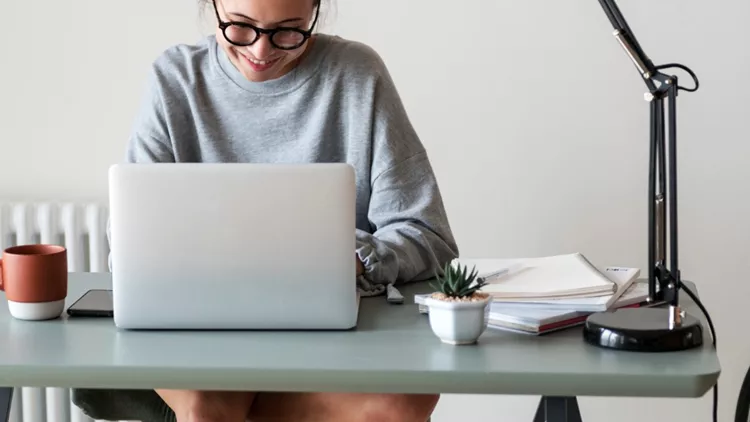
{"x":293,"y":79}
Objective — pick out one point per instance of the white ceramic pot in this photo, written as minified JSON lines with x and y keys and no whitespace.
{"x":458,"y":322}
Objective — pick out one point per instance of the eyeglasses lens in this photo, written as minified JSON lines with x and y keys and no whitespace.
{"x":242,"y":35}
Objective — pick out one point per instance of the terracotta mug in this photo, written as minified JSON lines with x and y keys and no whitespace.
{"x":35,"y":280}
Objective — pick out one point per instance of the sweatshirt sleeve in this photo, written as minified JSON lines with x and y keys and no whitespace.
{"x":149,"y":140}
{"x":410,"y":237}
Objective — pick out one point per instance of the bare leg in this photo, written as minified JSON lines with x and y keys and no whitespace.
{"x":208,"y":406}
{"x":349,"y":407}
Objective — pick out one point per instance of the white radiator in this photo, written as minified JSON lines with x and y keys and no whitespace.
{"x":81,"y":228}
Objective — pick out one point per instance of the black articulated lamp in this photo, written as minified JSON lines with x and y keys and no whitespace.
{"x":653,"y":329}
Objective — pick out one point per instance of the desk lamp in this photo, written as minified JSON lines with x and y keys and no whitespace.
{"x":653,"y":329}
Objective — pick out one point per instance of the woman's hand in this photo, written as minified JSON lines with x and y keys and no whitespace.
{"x":208,"y":406}
{"x":360,"y":266}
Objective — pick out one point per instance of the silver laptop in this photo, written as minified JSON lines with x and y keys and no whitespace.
{"x":233,"y":246}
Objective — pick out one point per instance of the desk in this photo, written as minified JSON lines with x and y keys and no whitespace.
{"x":392,"y":350}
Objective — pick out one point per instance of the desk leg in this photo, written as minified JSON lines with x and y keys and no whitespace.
{"x":558,"y":409}
{"x":6,"y":396}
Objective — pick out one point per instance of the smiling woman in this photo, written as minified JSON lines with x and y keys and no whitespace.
{"x":267,"y":87}
{"x":286,"y":24}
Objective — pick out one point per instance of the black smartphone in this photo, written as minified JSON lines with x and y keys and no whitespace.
{"x":93,"y":303}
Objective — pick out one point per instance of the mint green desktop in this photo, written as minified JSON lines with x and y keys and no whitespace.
{"x":392,"y":350}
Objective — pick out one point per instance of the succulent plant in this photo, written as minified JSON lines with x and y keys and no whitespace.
{"x":457,"y":281}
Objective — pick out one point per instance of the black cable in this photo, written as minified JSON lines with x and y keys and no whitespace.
{"x":686,"y":69}
{"x":713,"y":342}
{"x":743,"y":406}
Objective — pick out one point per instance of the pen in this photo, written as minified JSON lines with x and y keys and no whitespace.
{"x":503,"y":272}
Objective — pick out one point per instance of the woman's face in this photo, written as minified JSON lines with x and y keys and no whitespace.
{"x":262,"y":61}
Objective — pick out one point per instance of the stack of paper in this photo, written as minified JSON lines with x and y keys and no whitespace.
{"x":544,"y":317}
{"x":546,"y":278}
{"x":541,"y":320}
{"x":623,"y":278}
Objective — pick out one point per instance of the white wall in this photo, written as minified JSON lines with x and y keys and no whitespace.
{"x":533,"y":116}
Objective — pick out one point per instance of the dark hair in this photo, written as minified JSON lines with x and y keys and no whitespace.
{"x":209,"y":2}
{"x":317,"y":3}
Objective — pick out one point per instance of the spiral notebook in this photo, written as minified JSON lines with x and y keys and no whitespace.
{"x":552,"y":277}
{"x":543,"y":317}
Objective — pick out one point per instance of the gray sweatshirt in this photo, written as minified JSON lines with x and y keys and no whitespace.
{"x":338,"y":105}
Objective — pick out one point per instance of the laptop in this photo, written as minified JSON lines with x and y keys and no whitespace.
{"x":233,"y":246}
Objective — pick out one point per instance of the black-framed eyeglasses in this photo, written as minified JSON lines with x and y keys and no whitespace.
{"x":243,"y":34}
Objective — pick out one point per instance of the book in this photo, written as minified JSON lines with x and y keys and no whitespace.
{"x":538,"y":319}
{"x":541,"y":278}
{"x":535,"y":320}
{"x":623,"y":277}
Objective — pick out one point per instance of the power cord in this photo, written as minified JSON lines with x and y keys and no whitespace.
{"x":713,"y":338}
{"x":742,"y":409}
{"x":686,"y":69}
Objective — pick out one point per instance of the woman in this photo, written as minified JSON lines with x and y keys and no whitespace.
{"x":264,"y":88}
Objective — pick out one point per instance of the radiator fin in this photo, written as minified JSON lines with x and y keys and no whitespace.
{"x":81,"y":228}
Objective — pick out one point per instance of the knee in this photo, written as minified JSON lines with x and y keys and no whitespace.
{"x":200,"y":406}
{"x":401,"y":408}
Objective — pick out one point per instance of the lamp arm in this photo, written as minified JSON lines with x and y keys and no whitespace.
{"x":662,"y":236}
{"x":629,"y":43}
{"x":655,"y":329}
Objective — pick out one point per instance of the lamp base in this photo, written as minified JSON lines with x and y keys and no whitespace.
{"x":644,"y":330}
